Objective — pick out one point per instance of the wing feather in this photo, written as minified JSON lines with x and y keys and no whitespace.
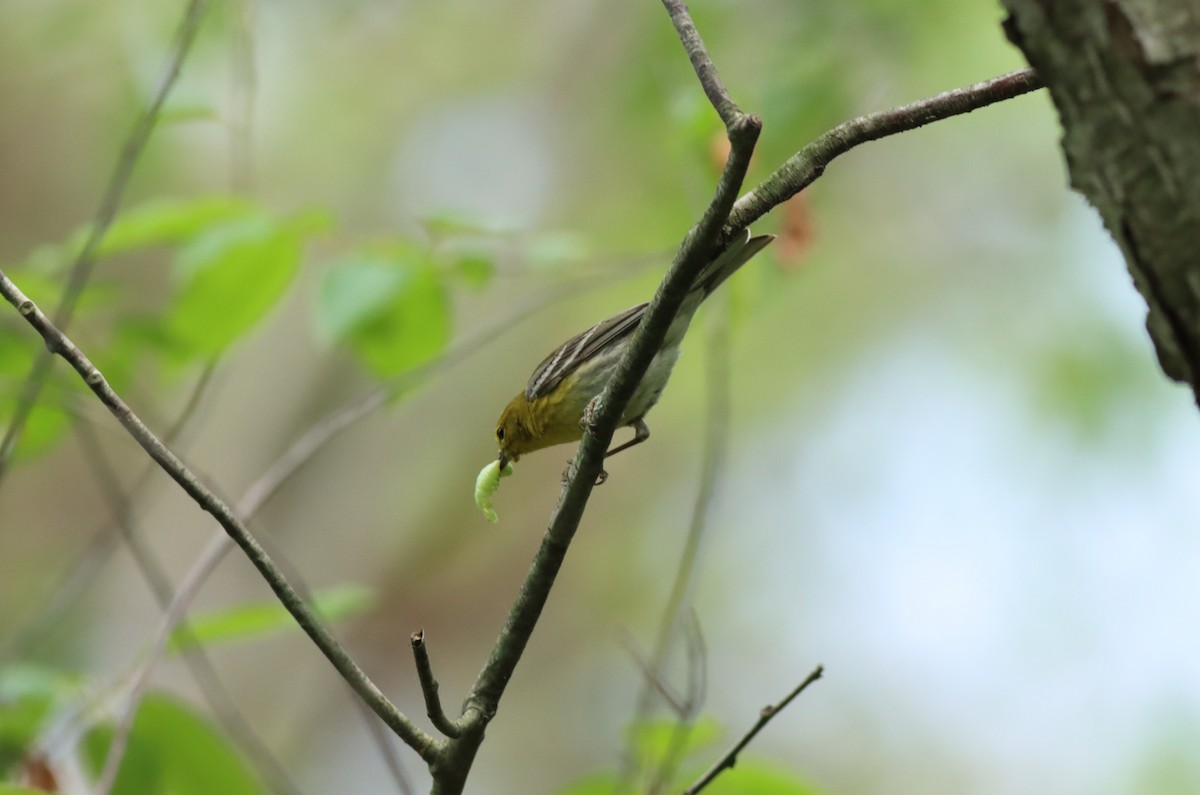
{"x":566,"y":358}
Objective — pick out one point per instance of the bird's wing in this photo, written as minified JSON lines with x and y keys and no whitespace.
{"x":580,"y":348}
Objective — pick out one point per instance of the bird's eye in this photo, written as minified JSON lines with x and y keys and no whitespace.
{"x":500,"y":433}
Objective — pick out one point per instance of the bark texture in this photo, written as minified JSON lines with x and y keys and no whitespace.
{"x":1125,"y":78}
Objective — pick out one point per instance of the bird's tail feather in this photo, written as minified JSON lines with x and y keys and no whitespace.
{"x":740,"y":251}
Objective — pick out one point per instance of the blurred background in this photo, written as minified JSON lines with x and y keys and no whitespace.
{"x":954,"y":475}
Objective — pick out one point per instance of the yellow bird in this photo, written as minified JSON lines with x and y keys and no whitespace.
{"x":550,"y":409}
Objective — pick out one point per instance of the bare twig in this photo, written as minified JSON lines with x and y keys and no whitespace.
{"x":697,"y":658}
{"x":81,"y":270}
{"x":385,"y":742}
{"x":655,"y":682}
{"x":59,"y":344}
{"x":223,"y":706}
{"x":429,"y":687}
{"x":677,"y":608}
{"x":770,"y":711}
{"x":804,"y":167}
{"x":78,"y":576}
{"x":244,"y":89}
{"x":710,"y":80}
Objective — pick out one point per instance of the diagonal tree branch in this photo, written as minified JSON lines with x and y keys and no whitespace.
{"x":706,"y":72}
{"x":803,"y":168}
{"x":78,"y":575}
{"x":81,"y":270}
{"x":729,"y":759}
{"x":59,"y":344}
{"x":219,"y":699}
{"x":697,"y":249}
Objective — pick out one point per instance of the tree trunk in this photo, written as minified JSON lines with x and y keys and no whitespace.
{"x":1125,"y":78}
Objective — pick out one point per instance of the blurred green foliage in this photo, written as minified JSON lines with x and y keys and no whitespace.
{"x":257,"y":620}
{"x":173,"y":751}
{"x":683,"y":752}
{"x":605,"y":148}
{"x":388,"y":305}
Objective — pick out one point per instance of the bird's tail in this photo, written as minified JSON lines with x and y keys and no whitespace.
{"x":739,"y":251}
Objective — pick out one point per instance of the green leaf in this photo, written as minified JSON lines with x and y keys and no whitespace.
{"x":259,"y":619}
{"x":48,"y":420}
{"x":177,"y":114}
{"x":600,"y":784}
{"x":28,"y":694}
{"x":354,"y":293}
{"x":172,"y":751}
{"x":653,"y":739}
{"x":555,"y":249}
{"x":8,"y":789}
{"x":449,"y":223}
{"x":233,"y":274}
{"x":171,"y":221}
{"x":755,"y":777}
{"x":43,"y":430}
{"x":390,"y":308}
{"x":475,"y":268}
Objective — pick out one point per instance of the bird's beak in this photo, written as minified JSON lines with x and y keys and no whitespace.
{"x":503,"y":460}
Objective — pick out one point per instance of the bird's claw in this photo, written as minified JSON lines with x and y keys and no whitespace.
{"x":589,"y":413}
{"x":569,"y":473}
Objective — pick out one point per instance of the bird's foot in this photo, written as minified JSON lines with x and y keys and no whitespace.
{"x":589,"y":414}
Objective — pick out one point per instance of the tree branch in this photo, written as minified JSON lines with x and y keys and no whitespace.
{"x":81,"y":270}
{"x":676,"y":610}
{"x":710,"y":80}
{"x":222,"y":704}
{"x":429,"y":687}
{"x":770,"y":711}
{"x":804,"y":167}
{"x":82,"y":571}
{"x":696,"y":250}
{"x":58,"y":343}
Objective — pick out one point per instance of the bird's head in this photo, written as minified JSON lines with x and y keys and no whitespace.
{"x":515,"y":433}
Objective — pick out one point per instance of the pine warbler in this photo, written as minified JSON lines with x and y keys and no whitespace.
{"x":550,"y":410}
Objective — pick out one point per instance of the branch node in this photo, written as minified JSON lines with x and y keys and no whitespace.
{"x":27,"y":308}
{"x":744,"y":129}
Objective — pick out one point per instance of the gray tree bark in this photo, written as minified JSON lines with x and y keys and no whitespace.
{"x":1125,"y":78}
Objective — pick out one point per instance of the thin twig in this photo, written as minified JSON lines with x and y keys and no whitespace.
{"x":685,"y":722}
{"x":244,"y":90}
{"x":710,"y":80}
{"x":803,"y":168}
{"x":81,"y":270}
{"x":78,"y":576}
{"x":770,"y":711}
{"x":388,"y":751}
{"x":655,"y":682}
{"x":223,"y":706}
{"x":429,"y":687}
{"x":58,"y":343}
{"x":677,"y":608}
